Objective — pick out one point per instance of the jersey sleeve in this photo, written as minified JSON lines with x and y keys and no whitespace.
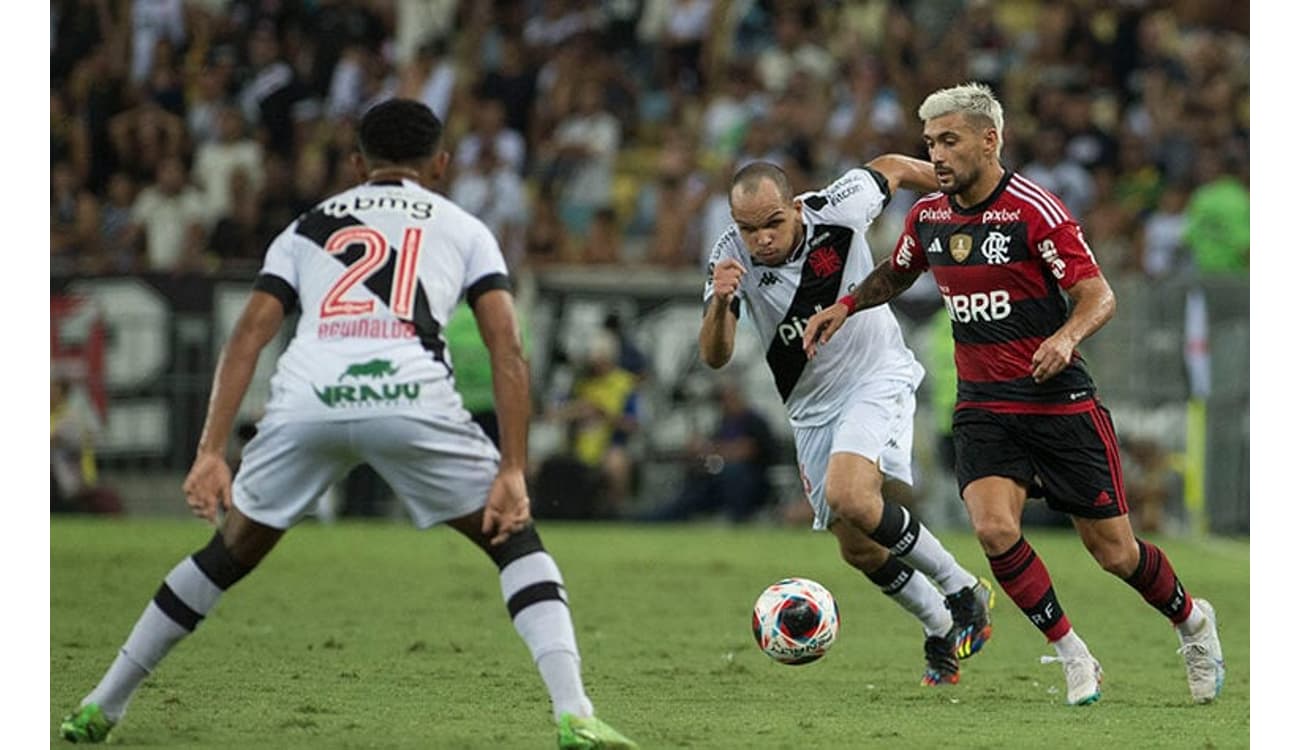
{"x":279,"y":274}
{"x":907,"y":256}
{"x":485,"y":267}
{"x":1065,"y":254}
{"x":857,"y":197}
{"x":724,"y":248}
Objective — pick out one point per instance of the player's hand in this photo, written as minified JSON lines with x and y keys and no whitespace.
{"x":508,"y":509}
{"x":1051,"y":357}
{"x":822,"y":326}
{"x":207,"y":487}
{"x":726,"y":279}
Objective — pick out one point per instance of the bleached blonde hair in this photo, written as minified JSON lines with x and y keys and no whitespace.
{"x":970,"y":99}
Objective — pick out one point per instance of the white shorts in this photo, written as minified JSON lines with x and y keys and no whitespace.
{"x":440,"y":469}
{"x":876,"y":422}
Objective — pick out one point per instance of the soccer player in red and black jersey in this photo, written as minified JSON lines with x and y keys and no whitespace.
{"x":1027,"y":420}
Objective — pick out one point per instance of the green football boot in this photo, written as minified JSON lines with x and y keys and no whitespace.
{"x":88,"y":724}
{"x":591,"y":733}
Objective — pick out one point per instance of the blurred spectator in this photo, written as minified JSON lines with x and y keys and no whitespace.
{"x":546,"y":241}
{"x":418,"y":21}
{"x":494,"y":192}
{"x":630,"y":357}
{"x":217,"y":161}
{"x":240,"y":237}
{"x":119,"y":247}
{"x":1164,"y":253}
{"x":153,"y":21}
{"x":794,"y":50}
{"x":731,"y":106}
{"x":601,"y":416}
{"x":579,"y":160}
{"x":490,"y":130}
{"x":603,"y":244}
{"x":270,"y":90}
{"x":678,"y":31}
{"x":728,"y":471}
{"x":1218,"y":219}
{"x":679,"y":196}
{"x":514,"y":83}
{"x":74,"y":474}
{"x":144,"y":136}
{"x":1055,"y":173}
{"x":170,"y":215}
{"x":74,"y":218}
{"x":430,"y":78}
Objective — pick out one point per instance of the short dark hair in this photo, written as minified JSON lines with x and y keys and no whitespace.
{"x":751,"y":174}
{"x":399,"y":131}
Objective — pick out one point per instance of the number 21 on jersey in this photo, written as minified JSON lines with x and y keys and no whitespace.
{"x":375,"y":251}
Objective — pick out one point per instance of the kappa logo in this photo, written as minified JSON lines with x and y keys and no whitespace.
{"x":768,"y":278}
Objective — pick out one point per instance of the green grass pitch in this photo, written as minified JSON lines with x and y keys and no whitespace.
{"x":380,"y":636}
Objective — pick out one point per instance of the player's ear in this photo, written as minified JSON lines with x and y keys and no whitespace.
{"x":359,"y":166}
{"x":438,"y":165}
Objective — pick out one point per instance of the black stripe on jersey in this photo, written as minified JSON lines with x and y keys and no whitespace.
{"x":278,"y":288}
{"x":883,"y":183}
{"x":819,"y":287}
{"x":1029,"y":318}
{"x":1072,"y":381}
{"x":486,"y":284}
{"x":317,"y":226}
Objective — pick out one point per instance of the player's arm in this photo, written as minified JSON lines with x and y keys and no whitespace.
{"x":905,"y":172}
{"x":1094,"y":305}
{"x":507,"y":509}
{"x":718,"y":329}
{"x":207,"y":487}
{"x":884,"y":283}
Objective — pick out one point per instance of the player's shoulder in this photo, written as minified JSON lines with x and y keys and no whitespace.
{"x":832,"y":203}
{"x":728,"y":244}
{"x":1035,"y":203}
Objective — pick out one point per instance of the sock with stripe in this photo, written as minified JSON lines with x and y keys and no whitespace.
{"x":1025,"y":579}
{"x":538,"y":604}
{"x":187,"y":594}
{"x":914,"y":593}
{"x":907,"y":538}
{"x":1157,"y":582}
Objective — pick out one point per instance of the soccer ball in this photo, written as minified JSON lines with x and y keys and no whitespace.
{"x":796,"y":621}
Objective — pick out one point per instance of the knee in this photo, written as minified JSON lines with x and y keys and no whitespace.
{"x":996,"y":534}
{"x":857,"y":503}
{"x":865,"y":557}
{"x":1115,"y":558}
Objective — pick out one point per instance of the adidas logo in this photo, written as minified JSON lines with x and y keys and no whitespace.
{"x":935,"y":247}
{"x":768,"y":278}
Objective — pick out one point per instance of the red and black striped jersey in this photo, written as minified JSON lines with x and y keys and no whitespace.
{"x":1001,"y":267}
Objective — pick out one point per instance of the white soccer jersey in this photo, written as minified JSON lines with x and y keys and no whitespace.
{"x":377,"y":270}
{"x":834,"y":256}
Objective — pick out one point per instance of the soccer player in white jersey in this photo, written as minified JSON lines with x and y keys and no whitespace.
{"x":376,"y":270}
{"x":851,"y":408}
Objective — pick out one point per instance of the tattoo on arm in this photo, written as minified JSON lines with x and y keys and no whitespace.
{"x":882,"y":285}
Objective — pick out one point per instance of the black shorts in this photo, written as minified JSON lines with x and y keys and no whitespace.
{"x":1070,"y":460}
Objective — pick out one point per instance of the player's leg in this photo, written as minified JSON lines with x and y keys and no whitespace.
{"x":995,"y":504}
{"x":1088,"y":483}
{"x":284,"y":469}
{"x":914,"y":593}
{"x":538,"y":605}
{"x":186,"y":595}
{"x":443,"y":471}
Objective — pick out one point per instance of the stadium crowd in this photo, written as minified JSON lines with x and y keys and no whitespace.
{"x":186,"y":133}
